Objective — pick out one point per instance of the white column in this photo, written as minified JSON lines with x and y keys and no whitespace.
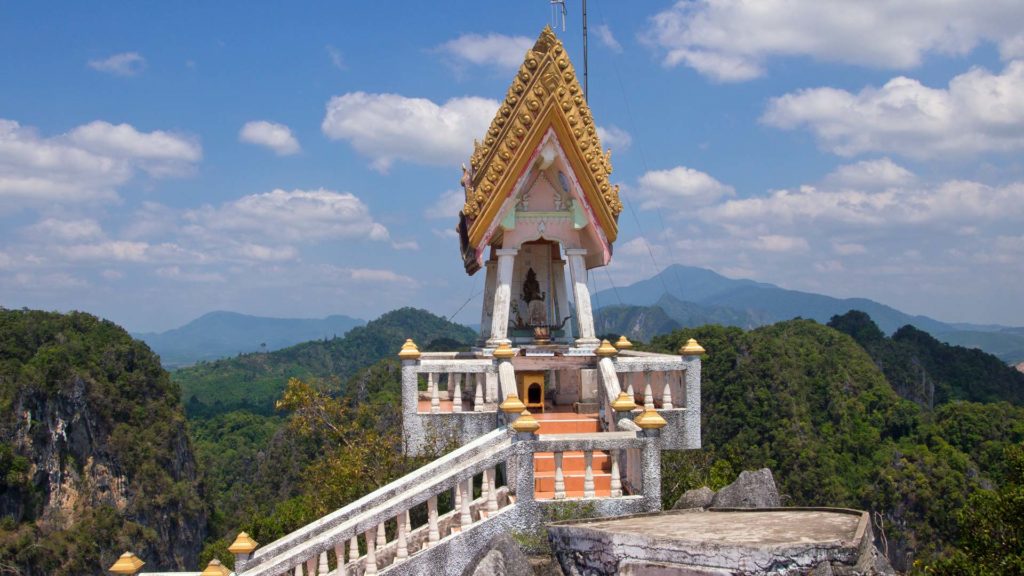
{"x":503,"y":297}
{"x":433,"y":534}
{"x":435,"y":400}
{"x":339,"y":555}
{"x":559,"y":477}
{"x":382,"y":538}
{"x":450,"y":388}
{"x":492,"y":496}
{"x":311,"y":566}
{"x":457,"y":396}
{"x":561,"y":297}
{"x":322,"y":569}
{"x":465,"y":517}
{"x":370,"y":566}
{"x":298,"y":570}
{"x":584,"y":313}
{"x":353,"y":549}
{"x":588,"y":478}
{"x":666,"y":393}
{"x":478,"y":398}
{"x":616,"y":479}
{"x":490,"y":279}
{"x":648,"y":393}
{"x":402,"y":548}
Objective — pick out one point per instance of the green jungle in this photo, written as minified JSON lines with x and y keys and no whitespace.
{"x":101,"y":450}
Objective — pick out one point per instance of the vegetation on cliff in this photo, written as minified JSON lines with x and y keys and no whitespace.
{"x":811,"y":404}
{"x":94,"y":454}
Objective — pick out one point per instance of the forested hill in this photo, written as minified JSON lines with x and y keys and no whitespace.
{"x":253,"y":382}
{"x":929,"y":372}
{"x":94,"y":455}
{"x":221,"y":334}
{"x":808,"y":402}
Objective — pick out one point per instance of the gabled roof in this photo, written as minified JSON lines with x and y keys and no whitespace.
{"x":544,"y":94}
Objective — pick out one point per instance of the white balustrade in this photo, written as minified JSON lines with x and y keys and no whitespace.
{"x":559,"y":478}
{"x":339,"y":555}
{"x":321,"y":568}
{"x":492,"y":497}
{"x":648,"y":394}
{"x":402,"y":547}
{"x":370,"y":564}
{"x":666,"y":394}
{"x":433,"y":534}
{"x":478,"y":398}
{"x":616,"y":481}
{"x":435,"y":401}
{"x":457,"y":397}
{"x":311,"y":566}
{"x":382,"y":538}
{"x":588,"y":478}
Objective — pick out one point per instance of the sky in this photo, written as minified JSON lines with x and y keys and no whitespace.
{"x":162,"y":160}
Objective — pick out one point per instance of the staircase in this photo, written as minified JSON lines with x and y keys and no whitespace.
{"x":566,"y":425}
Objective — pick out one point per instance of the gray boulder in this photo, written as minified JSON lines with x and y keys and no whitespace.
{"x":750,"y":490}
{"x":695,"y":498}
{"x":500,"y":557}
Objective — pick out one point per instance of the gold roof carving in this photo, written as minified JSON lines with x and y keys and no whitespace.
{"x":544,"y":94}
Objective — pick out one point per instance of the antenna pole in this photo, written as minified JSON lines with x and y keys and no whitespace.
{"x":585,"y":87}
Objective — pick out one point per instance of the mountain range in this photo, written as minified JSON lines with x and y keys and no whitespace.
{"x":689,"y":296}
{"x":221,"y":334}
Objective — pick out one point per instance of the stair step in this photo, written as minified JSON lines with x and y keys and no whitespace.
{"x":571,"y":494}
{"x":546,"y":482}
{"x":571,"y":462}
{"x":569,"y":426}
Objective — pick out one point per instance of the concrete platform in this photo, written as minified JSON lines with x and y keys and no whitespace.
{"x":720,"y":541}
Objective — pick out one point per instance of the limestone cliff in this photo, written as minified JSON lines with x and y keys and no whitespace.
{"x":94,"y":450}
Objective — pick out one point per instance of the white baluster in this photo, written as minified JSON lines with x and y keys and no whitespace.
{"x":478,"y":399}
{"x":666,"y":395}
{"x":298,"y":569}
{"x":370,"y":565}
{"x":629,"y":385}
{"x":559,"y":477}
{"x":322,"y":569}
{"x":403,"y":546}
{"x":353,"y":549}
{"x":382,"y":537}
{"x":339,"y":555}
{"x":450,"y":387}
{"x":481,"y":381}
{"x":483,"y":493}
{"x":616,"y":480}
{"x":588,"y":478}
{"x":465,"y":518}
{"x":435,"y":401}
{"x":648,"y":395}
{"x":457,"y":399}
{"x":458,"y":498}
{"x":492,"y":492}
{"x":433,"y":534}
{"x":408,"y":522}
{"x":311,"y":566}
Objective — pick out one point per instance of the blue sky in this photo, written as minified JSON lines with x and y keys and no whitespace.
{"x":161,"y":160}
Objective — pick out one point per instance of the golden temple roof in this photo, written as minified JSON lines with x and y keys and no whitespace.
{"x":545,"y":94}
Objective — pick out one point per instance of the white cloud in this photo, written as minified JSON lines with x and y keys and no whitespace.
{"x":679,"y":188}
{"x":176,"y":273}
{"x":123,"y":64}
{"x":614,"y":137}
{"x":406,"y":245}
{"x":375,"y":275}
{"x":781,"y":243}
{"x":337,"y":58}
{"x":117,"y":250}
{"x":506,"y":52}
{"x":66,"y":230}
{"x":730,"y":40}
{"x":871,"y":174}
{"x":277,"y":137}
{"x":979,"y":112}
{"x":604,"y":34}
{"x":389,"y":127}
{"x":261,"y":253}
{"x":848,"y":248}
{"x":447,"y":205}
{"x":296,"y":216}
{"x":87,"y":164}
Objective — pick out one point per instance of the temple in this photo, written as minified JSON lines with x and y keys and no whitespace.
{"x":541,"y":411}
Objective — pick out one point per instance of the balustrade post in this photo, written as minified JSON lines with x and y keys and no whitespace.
{"x":450,"y":388}
{"x":402,"y":547}
{"x":465,"y":518}
{"x":353,"y":549}
{"x":666,"y":395}
{"x":433,"y":534}
{"x":408,"y":522}
{"x":629,"y":385}
{"x":458,"y":499}
{"x":298,"y":569}
{"x":370,"y":565}
{"x":339,"y":556}
{"x":648,"y":394}
{"x":382,"y":537}
{"x":559,"y":478}
{"x":492,"y":495}
{"x":311,"y":566}
{"x":322,"y":569}
{"x":478,"y":399}
{"x":435,"y":401}
{"x":616,"y":479}
{"x":457,"y":397}
{"x":588,"y":478}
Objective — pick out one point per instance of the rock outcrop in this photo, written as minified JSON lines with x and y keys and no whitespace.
{"x":104,"y":463}
{"x":752,"y":489}
{"x":501,"y":557}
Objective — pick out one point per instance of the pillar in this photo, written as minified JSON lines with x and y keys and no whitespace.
{"x":503,"y":298}
{"x":561,"y":297}
{"x":584,"y":314}
{"x":490,"y":278}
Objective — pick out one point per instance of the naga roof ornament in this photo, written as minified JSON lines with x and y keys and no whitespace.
{"x":545,"y":94}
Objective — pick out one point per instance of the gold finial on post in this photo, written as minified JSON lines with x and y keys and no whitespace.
{"x":504,"y":351}
{"x":623,"y":343}
{"x":215,"y":568}
{"x":649,"y":419}
{"x":623,"y":403}
{"x":606,"y":350}
{"x":409,"y":350}
{"x":128,"y":563}
{"x":692,"y":348}
{"x":526,"y":423}
{"x":512,"y":405}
